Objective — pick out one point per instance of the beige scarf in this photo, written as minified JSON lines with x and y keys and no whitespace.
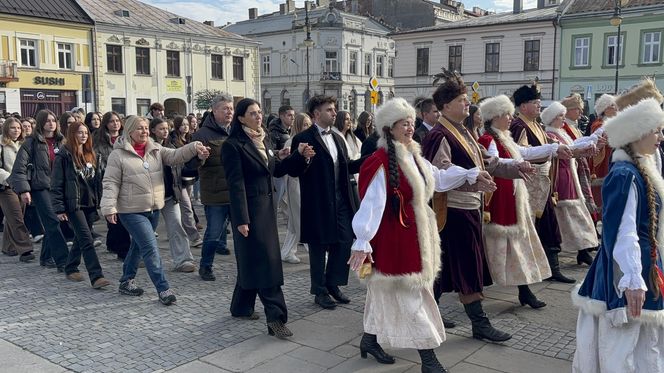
{"x":257,"y":137}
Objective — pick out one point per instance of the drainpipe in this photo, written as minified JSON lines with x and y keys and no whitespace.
{"x":553,"y":68}
{"x":95,"y":81}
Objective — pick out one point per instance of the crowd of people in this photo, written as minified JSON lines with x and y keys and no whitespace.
{"x":438,"y":197}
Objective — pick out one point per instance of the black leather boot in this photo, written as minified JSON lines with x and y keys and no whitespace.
{"x":370,"y":345}
{"x":527,"y":297}
{"x":583,"y":256}
{"x":556,"y":275}
{"x":482,"y":328}
{"x":430,"y":363}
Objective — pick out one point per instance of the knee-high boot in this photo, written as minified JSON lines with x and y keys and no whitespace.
{"x":430,"y":363}
{"x":482,"y":328}
{"x":556,"y":275}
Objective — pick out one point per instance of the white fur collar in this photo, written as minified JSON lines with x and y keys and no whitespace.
{"x":507,"y":141}
{"x":560,"y":132}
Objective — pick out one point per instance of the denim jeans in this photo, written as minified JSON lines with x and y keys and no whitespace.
{"x":215,"y":233}
{"x":141,"y":227}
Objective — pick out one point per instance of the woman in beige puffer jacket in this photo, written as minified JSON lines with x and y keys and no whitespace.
{"x":134,"y":192}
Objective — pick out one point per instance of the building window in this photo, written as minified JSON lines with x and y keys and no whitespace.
{"x":238,"y":68}
{"x":380,"y":63}
{"x":217,"y":66}
{"x":612,"y":52}
{"x":390,"y":67}
{"x":65,"y":56}
{"x":29,"y":53}
{"x":652,"y":42}
{"x":531,"y":55}
{"x":352,"y":68}
{"x":581,"y":52}
{"x":455,"y":58}
{"x":331,"y":62}
{"x":367,"y":64}
{"x":114,"y":58}
{"x":422,"y":62}
{"x":118,"y":105}
{"x":492,"y":60}
{"x":142,"y":61}
{"x":142,"y":106}
{"x":266,"y":65}
{"x":172,"y":63}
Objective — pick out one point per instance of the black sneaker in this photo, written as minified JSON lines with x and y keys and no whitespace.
{"x":48,"y":263}
{"x":167,"y":297}
{"x":223,"y":251}
{"x":206,"y":273}
{"x":27,"y":257}
{"x":129,"y":287}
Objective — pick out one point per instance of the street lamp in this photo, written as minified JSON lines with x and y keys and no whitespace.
{"x":308,"y":42}
{"x":616,"y":21}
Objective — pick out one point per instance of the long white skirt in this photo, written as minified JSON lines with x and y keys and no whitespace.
{"x":577,"y":229}
{"x":403,"y":318}
{"x":604,"y":344}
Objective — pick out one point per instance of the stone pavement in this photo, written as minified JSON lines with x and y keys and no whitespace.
{"x":50,"y":324}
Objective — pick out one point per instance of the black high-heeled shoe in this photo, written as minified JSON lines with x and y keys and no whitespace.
{"x":369,"y":345}
{"x":278,"y":329}
{"x":583,"y":256}
{"x":527,"y":297}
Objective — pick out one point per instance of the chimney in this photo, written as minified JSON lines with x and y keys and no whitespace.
{"x":253,"y":13}
{"x":324,"y":3}
{"x":518,"y":6}
{"x":282,"y":8}
{"x":290,"y":6}
{"x":209,"y":23}
{"x":541,"y":4}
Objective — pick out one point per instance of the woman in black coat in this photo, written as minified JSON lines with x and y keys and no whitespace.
{"x":250,"y":164}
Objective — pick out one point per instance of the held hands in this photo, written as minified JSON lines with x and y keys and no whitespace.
{"x":602,"y":141}
{"x":357,"y":258}
{"x":112,"y":218}
{"x":485,"y":182}
{"x":584,"y":152}
{"x":26,"y":198}
{"x":62,"y":217}
{"x":283,"y":153}
{"x":564,"y":152}
{"x":635,"y":300}
{"x":306,"y":150}
{"x":202,"y":151}
{"x":243,"y":229}
{"x":526,"y":170}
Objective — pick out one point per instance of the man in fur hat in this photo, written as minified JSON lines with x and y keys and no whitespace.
{"x":526,"y":131}
{"x":605,"y":108}
{"x":449,"y":143}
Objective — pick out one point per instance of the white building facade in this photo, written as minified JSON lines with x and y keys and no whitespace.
{"x":348,"y":50}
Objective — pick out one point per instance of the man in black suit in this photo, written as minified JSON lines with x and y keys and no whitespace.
{"x":328,"y":201}
{"x":430,"y":114}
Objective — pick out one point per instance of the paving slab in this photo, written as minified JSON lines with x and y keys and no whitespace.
{"x":322,"y":337}
{"x":370,"y":365}
{"x":288,"y":364}
{"x":250,"y":353}
{"x":198,"y":366}
{"x":318,"y":357}
{"x":514,"y":361}
{"x":18,"y":360}
{"x":452,"y":351}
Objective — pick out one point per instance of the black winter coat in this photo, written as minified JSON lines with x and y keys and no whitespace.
{"x":250,"y":184}
{"x":67,"y":187}
{"x":32,"y":169}
{"x":318,"y":211}
{"x":214,"y":188}
{"x":279,"y":134}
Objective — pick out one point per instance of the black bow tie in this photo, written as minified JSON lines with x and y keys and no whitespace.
{"x":325,"y":132}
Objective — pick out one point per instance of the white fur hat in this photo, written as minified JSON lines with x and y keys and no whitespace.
{"x":496,"y":106}
{"x":634,"y":122}
{"x":603,"y":103}
{"x":392,"y":111}
{"x":551,"y":112}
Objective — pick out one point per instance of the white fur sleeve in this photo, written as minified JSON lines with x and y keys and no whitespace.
{"x":627,"y":252}
{"x":367,"y":218}
{"x":538,"y":152}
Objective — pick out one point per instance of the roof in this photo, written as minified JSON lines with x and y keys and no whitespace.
{"x":596,"y":6}
{"x":148,"y":17}
{"x":528,"y":15}
{"x":60,"y":10}
{"x":276,"y":22}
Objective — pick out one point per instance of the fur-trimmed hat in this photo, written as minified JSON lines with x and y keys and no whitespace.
{"x":573,"y":101}
{"x":551,"y":112}
{"x":526,"y":93}
{"x":634,"y":122}
{"x":646,"y":89}
{"x":392,"y":111}
{"x":603,"y":103}
{"x":451,"y":87}
{"x":496,"y":106}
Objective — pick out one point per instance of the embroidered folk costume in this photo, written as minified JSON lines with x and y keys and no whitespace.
{"x":617,"y":331}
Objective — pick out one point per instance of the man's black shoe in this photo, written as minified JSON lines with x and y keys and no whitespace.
{"x":206,"y":274}
{"x":27,"y":257}
{"x":48,"y":263}
{"x":338,"y":295}
{"x":449,"y":324}
{"x":223,"y":251}
{"x":325,"y":301}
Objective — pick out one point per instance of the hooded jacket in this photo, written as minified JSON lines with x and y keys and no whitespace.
{"x":279,"y":134}
{"x":32,"y":168}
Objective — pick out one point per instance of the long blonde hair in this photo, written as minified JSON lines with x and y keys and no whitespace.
{"x":5,"y":130}
{"x":301,"y":123}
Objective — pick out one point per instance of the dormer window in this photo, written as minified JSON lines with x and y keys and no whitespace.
{"x":122,"y":13}
{"x":178,"y":20}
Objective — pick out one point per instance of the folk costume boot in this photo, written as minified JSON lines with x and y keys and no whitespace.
{"x":430,"y":363}
{"x":482,"y":328}
{"x":556,"y":275}
{"x":370,"y":345}
{"x":527,"y":297}
{"x":583,"y":256}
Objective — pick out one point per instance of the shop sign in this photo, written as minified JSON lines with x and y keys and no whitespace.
{"x":174,"y":86}
{"x":43,"y":80}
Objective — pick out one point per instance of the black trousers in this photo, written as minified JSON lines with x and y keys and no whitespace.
{"x":53,"y":245}
{"x":83,"y":245}
{"x":244,"y":300}
{"x":330,"y":274}
{"x":118,"y":239}
{"x":32,"y":221}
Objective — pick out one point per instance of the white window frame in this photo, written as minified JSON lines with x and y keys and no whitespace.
{"x":367,"y":64}
{"x":584,"y":49}
{"x":611,"y":41}
{"x":266,"y":65}
{"x":652,"y":48}
{"x":390,"y":67}
{"x":380,"y":66}
{"x":66,"y":50}
{"x":31,"y":58}
{"x":331,"y":62}
{"x":352,"y":67}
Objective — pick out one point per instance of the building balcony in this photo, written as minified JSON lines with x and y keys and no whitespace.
{"x":330,"y":75}
{"x":8,"y":71}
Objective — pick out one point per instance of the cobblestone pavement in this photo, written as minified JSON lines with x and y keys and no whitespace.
{"x":50,"y":319}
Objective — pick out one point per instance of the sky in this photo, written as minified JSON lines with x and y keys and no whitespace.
{"x":224,"y":11}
